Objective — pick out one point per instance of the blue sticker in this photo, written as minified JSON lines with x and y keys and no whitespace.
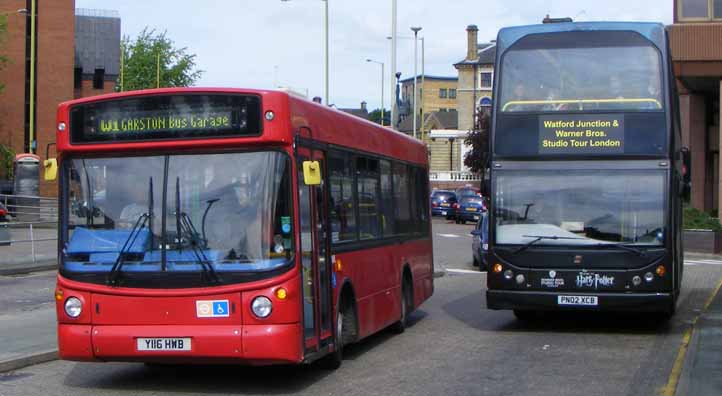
{"x":333,"y":280}
{"x":286,"y":228}
{"x":220,"y":308}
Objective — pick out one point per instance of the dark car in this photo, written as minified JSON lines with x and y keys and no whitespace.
{"x":443,"y":203}
{"x":480,"y":243}
{"x":470,"y":208}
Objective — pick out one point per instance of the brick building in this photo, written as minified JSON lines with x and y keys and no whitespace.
{"x":476,"y":77}
{"x":695,"y":39}
{"x":435,"y":93}
{"x":55,"y":69}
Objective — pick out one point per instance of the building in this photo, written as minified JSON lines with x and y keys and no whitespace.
{"x":435,"y":93}
{"x":97,"y":52}
{"x":695,"y":39}
{"x":476,"y":78}
{"x":362,"y":112}
{"x":53,"y":72}
{"x":58,"y":61}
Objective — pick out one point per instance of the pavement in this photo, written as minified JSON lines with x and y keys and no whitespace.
{"x":701,"y":373}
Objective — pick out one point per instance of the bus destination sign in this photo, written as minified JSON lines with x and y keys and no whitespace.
{"x":581,"y":134}
{"x":151,"y":122}
{"x":166,"y":117}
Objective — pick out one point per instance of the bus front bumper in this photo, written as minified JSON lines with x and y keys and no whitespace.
{"x":549,"y":301}
{"x":242,"y":344}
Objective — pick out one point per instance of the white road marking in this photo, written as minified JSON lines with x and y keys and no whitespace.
{"x":463,"y":271}
{"x":702,"y":262}
{"x":449,"y":235}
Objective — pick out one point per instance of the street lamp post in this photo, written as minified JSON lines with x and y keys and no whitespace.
{"x":325,"y":51}
{"x":416,"y":74}
{"x":382,"y":87}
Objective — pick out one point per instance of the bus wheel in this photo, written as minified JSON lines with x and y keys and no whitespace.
{"x":345,"y":322}
{"x":400,"y":326}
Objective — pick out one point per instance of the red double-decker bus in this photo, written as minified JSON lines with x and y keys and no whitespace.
{"x":233,"y":226}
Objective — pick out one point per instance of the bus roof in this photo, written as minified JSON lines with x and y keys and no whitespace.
{"x":652,"y":31}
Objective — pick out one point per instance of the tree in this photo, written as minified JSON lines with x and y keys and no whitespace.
{"x":140,"y":63}
{"x":3,"y":58}
{"x":477,"y":159}
{"x":375,"y":116}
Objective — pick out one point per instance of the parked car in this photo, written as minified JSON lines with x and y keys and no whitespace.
{"x":467,"y":191}
{"x":470,"y":209}
{"x":3,"y":213}
{"x":480,"y":244}
{"x":4,"y":233}
{"x":443,"y":203}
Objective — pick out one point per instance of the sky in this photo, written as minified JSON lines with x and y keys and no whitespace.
{"x":272,"y":43}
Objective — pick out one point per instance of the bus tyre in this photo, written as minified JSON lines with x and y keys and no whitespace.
{"x":345,"y":323}
{"x":400,"y":326}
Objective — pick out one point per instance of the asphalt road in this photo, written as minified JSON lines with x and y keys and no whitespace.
{"x":454,"y":347}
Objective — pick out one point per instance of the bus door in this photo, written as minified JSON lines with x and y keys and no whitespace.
{"x":315,"y":261}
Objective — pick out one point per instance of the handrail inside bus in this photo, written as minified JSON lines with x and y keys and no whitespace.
{"x":581,"y":101}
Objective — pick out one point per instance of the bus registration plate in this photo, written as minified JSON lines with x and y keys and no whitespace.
{"x":578,"y":300}
{"x":163,"y":344}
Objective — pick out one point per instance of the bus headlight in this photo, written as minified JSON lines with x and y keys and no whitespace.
{"x":508,"y":274}
{"x":261,"y":306}
{"x":649,"y":277}
{"x":637,"y":280}
{"x":73,"y":307}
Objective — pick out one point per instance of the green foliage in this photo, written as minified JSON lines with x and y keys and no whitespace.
{"x":7,"y":156}
{"x":477,"y":159}
{"x":695,"y":219}
{"x":375,"y":116}
{"x":3,"y":31}
{"x":140,"y":63}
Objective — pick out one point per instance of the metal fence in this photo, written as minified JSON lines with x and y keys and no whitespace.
{"x":31,"y":225}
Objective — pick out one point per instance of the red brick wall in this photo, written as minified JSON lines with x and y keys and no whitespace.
{"x":87,"y":89}
{"x":56,"y":60}
{"x":12,"y":99}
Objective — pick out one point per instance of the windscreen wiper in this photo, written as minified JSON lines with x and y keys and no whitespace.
{"x":198,"y":244}
{"x":538,"y":238}
{"x":639,"y":252}
{"x":114,"y":273}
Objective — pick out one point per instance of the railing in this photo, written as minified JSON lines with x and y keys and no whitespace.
{"x":463,"y":176}
{"x":29,"y":233}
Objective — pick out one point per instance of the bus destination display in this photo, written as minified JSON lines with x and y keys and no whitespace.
{"x":166,"y":117}
{"x":581,"y":134}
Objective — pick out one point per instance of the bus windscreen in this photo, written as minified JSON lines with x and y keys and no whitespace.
{"x":164,"y":117}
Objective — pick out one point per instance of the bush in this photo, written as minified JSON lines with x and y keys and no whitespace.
{"x":695,"y":219}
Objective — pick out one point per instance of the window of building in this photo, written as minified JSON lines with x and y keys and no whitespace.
{"x":452,"y":93}
{"x":99,"y":79}
{"x":78,"y":78}
{"x":486,"y":79}
{"x":443,"y":93}
{"x":343,"y":203}
{"x":699,"y":9}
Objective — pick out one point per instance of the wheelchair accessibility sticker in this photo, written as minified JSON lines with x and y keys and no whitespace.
{"x":212,"y":309}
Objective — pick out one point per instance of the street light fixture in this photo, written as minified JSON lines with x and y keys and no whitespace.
{"x":382,"y":87}
{"x":325,"y":47}
{"x":416,"y":73}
